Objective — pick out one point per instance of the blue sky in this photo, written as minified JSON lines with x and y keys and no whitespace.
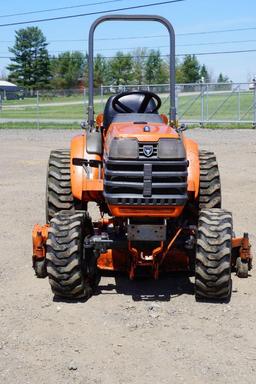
{"x":189,"y":16}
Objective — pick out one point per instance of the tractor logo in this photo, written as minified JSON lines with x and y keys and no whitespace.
{"x":148,"y":150}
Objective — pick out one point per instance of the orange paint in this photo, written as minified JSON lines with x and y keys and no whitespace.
{"x":99,"y":120}
{"x":128,"y":129}
{"x":194,"y":166}
{"x":146,"y":211}
{"x":86,"y":184}
{"x":39,"y":237}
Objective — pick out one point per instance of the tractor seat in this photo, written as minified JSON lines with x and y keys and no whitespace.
{"x":132,"y":101}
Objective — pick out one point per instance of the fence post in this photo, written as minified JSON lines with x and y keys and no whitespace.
{"x":202,"y":105}
{"x":37,"y":109}
{"x":177,"y":101}
{"x":207,"y":102}
{"x":1,"y":102}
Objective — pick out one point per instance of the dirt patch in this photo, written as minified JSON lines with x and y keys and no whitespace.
{"x":131,"y":332}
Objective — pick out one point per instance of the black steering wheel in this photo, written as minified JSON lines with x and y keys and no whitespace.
{"x":121,"y":107}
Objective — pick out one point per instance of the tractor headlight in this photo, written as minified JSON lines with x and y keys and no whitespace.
{"x":124,"y":149}
{"x":171,"y":149}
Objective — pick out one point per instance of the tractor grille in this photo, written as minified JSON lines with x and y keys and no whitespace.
{"x":141,"y":153}
{"x":145,"y":181}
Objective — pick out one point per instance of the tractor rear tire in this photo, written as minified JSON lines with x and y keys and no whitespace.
{"x":58,"y":184}
{"x":210,"y":186}
{"x":213,"y":255}
{"x":65,"y":255}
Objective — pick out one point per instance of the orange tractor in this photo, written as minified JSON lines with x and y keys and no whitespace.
{"x":159,"y":199}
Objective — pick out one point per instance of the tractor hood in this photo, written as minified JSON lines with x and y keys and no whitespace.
{"x":144,"y":165}
{"x":122,"y":139}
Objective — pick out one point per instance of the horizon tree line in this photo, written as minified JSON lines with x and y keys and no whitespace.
{"x":33,"y":68}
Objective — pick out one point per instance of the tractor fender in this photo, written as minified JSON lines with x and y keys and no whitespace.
{"x":192,"y":153}
{"x":85,"y":185}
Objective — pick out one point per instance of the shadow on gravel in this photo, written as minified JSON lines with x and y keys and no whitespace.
{"x":147,"y":289}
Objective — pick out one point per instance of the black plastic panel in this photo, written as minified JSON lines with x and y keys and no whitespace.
{"x":145,"y":181}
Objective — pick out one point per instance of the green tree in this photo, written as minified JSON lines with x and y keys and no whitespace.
{"x":204,"y":74}
{"x":85,"y":72}
{"x":156,"y":70}
{"x":30,"y":66}
{"x":222,"y":79}
{"x":100,"y":71}
{"x":179,"y":73}
{"x":121,"y":69}
{"x":139,"y":61}
{"x":163,"y":75}
{"x":190,"y":69}
{"x":68,"y":69}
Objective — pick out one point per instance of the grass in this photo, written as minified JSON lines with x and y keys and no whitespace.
{"x":224,"y":126}
{"x":52,"y":125}
{"x":54,"y":112}
{"x":33,"y":125}
{"x":46,"y":99}
{"x":219,"y":106}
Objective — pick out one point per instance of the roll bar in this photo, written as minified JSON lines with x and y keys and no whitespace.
{"x":160,"y":19}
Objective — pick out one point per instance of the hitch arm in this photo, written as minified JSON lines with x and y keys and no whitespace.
{"x":39,"y":237}
{"x":244,"y":247}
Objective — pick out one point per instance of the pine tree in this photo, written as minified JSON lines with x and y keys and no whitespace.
{"x":156,"y":70}
{"x":139,"y":65}
{"x":120,"y":69}
{"x":67,"y":69}
{"x":100,"y":71}
{"x":204,"y":74}
{"x":222,"y":79}
{"x":30,"y":66}
{"x":190,"y":69}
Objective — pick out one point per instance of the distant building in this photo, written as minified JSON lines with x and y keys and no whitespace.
{"x":10,"y":91}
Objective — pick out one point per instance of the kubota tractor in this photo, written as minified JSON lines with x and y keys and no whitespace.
{"x":159,"y":198}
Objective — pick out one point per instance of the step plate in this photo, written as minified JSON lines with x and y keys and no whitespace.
{"x":146,"y":232}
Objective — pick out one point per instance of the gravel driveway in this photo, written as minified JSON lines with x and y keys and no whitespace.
{"x":132,"y":332}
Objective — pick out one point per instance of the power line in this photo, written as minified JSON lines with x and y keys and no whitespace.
{"x":153,"y":47}
{"x":217,"y":42}
{"x":59,"y":9}
{"x":163,"y":46}
{"x":155,"y":36}
{"x":138,"y":38}
{"x":92,"y":13}
{"x":165,"y":36}
{"x":177,"y":55}
{"x":218,"y":52}
{"x":99,"y":39}
{"x":217,"y":31}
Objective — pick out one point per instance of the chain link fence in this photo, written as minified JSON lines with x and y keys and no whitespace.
{"x":199,"y":104}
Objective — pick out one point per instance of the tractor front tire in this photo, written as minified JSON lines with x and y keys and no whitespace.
{"x":58,"y":184}
{"x":65,"y":255}
{"x":210,"y":187}
{"x":213,"y":255}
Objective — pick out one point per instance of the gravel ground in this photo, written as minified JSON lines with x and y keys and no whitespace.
{"x":132,"y":332}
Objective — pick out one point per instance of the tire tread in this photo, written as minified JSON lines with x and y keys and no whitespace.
{"x":210,"y":186}
{"x":213,"y":254}
{"x":64,"y":255}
